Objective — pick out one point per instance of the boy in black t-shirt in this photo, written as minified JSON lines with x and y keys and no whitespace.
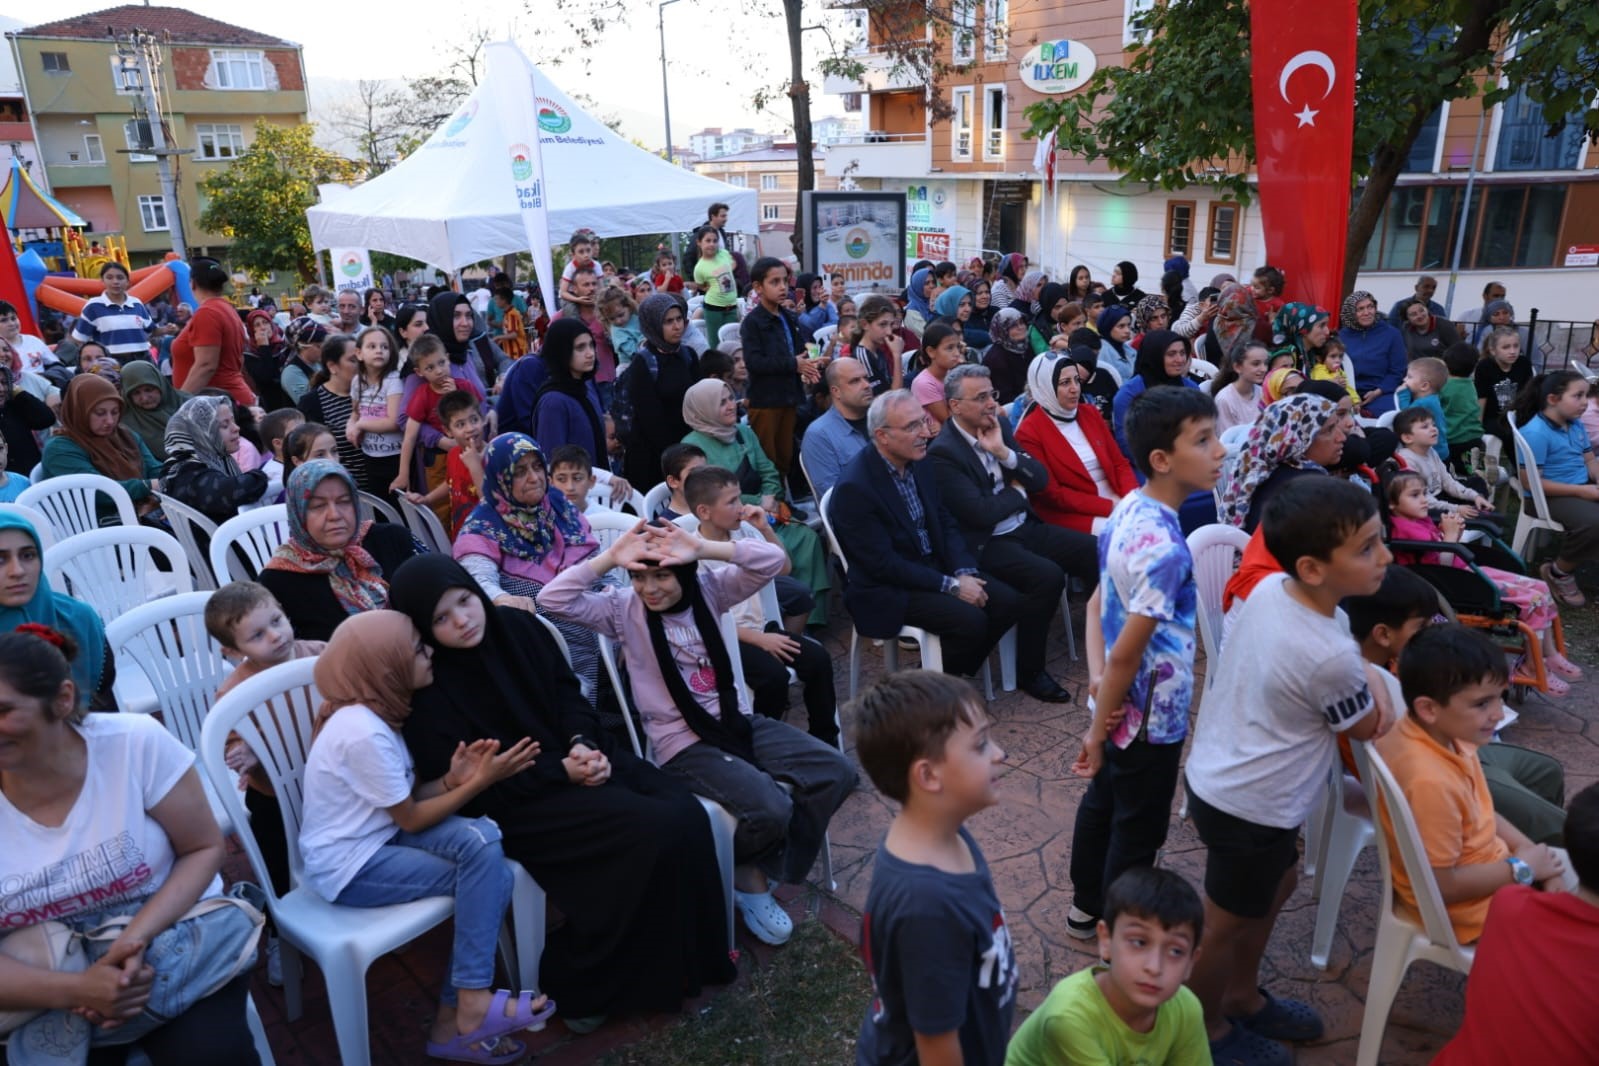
{"x":933,"y":934}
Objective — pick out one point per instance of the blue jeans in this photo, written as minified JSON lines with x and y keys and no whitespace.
{"x":459,"y":857}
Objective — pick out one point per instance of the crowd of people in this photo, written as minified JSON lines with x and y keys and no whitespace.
{"x":981,"y":446}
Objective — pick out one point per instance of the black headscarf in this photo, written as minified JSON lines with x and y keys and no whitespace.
{"x":441,"y":323}
{"x":1048,"y":297}
{"x":652,"y":311}
{"x":559,"y":341}
{"x":731,"y":732}
{"x":803,"y":283}
{"x":1151,"y":362}
{"x":1127,"y":293}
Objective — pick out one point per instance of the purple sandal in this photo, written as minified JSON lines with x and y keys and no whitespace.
{"x":496,"y":1024}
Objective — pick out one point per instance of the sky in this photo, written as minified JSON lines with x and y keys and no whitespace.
{"x":718,"y":53}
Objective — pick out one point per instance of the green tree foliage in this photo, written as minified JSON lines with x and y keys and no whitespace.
{"x":259,"y":200}
{"x":1180,"y":113}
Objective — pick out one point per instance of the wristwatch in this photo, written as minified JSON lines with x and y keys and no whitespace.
{"x":1520,"y":870}
{"x":952,"y":586}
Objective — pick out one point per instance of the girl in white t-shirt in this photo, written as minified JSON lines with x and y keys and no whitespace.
{"x":375,"y":408}
{"x":371,"y":835}
{"x":102,"y":815}
{"x":1237,"y":388}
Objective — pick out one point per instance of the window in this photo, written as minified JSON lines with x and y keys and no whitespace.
{"x":138,"y":135}
{"x":768,"y":182}
{"x":1510,"y":226}
{"x":1524,"y":141}
{"x":1425,"y":150}
{"x":55,"y":63}
{"x":238,"y":70}
{"x":125,"y":74}
{"x":1135,"y":21}
{"x":771,"y":212}
{"x":994,"y":122}
{"x":738,"y":181}
{"x":963,"y":14}
{"x":1223,"y":233}
{"x":153,"y":213}
{"x":219,"y":142}
{"x":1180,"y":228}
{"x":93,"y":150}
{"x":960,"y":126}
{"x":996,"y":30}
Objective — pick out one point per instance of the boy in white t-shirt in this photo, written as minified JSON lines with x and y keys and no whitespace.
{"x":1290,"y":679}
{"x":34,"y":353}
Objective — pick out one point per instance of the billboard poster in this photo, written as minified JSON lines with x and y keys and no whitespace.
{"x":929,"y":220}
{"x":352,"y":269}
{"x":861,"y":235}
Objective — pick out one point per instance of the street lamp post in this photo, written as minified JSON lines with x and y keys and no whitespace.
{"x":666,"y":100}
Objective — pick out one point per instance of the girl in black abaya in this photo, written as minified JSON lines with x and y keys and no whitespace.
{"x":622,"y":849}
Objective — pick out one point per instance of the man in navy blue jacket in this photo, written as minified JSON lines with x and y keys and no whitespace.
{"x":908,"y":564}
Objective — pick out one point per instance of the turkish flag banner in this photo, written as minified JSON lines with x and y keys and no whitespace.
{"x":1302,"y":72}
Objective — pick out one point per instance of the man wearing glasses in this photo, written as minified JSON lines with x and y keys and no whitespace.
{"x":908,"y":563}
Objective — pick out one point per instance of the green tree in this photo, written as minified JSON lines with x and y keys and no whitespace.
{"x":1179,"y":113}
{"x":258,"y":202}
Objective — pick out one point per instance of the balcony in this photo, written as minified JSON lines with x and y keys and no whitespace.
{"x":874,"y":154}
{"x":77,"y":175}
{"x":879,"y":75}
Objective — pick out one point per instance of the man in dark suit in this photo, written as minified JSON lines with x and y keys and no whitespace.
{"x":908,"y":564}
{"x":984,"y":479}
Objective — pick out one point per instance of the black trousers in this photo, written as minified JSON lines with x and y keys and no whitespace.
{"x":968,"y":633}
{"x":1123,"y":817}
{"x":1034,"y":558}
{"x":767,"y":676}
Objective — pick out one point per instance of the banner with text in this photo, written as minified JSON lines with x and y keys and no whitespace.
{"x":1302,"y":65}
{"x":930,"y":218}
{"x":352,"y":269}
{"x":519,"y":125}
{"x":860,"y":235}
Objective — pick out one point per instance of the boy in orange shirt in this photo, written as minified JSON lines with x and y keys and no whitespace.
{"x":1453,"y":678}
{"x":513,"y":336}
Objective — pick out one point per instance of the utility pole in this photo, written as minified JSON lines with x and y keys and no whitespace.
{"x":138,"y":61}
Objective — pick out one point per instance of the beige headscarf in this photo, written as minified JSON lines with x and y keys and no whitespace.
{"x":369,"y":661}
{"x":702,"y":405}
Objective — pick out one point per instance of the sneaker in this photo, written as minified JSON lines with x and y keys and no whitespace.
{"x":1564,"y":586}
{"x":274,"y":962}
{"x":1081,"y":925}
{"x":764,"y":917}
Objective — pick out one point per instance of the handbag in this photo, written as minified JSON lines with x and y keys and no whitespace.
{"x":50,"y":946}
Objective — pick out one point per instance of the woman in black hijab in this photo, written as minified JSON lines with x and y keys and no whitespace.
{"x":1124,"y":288}
{"x":568,"y":409}
{"x":1045,"y":325}
{"x":455,"y":328}
{"x":648,"y":408}
{"x":622,"y":849}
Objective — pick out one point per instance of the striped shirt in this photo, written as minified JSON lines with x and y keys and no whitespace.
{"x":123,"y":328}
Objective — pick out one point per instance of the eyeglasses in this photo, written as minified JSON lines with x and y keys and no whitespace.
{"x":920,"y":424}
{"x":981,"y":397}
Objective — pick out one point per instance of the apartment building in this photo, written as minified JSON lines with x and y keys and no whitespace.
{"x":1533,"y":223}
{"x":773,"y":172}
{"x":214,"y":81}
{"x":715,"y":141}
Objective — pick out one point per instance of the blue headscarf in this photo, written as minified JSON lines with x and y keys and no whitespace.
{"x":914,"y":300}
{"x":62,"y":613}
{"x":949,"y":301}
{"x":528,"y":533}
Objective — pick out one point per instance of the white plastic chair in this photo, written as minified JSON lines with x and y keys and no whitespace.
{"x":36,"y":475}
{"x":243,"y":544}
{"x":37,"y":519}
{"x":1400,"y":940}
{"x":1216,"y":550}
{"x":114,"y":570}
{"x":69,"y":502}
{"x":1386,"y":419}
{"x":187,"y":523}
{"x":167,"y":645}
{"x":425,"y":526}
{"x":1339,"y":829}
{"x":380,"y":508}
{"x":272,"y":713}
{"x":1534,"y":514}
{"x":656,"y":499}
{"x":600,"y":495}
{"x":1203,"y":369}
{"x":607,"y":525}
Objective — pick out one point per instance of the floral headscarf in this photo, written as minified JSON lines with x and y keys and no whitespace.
{"x":529,"y":533}
{"x":1144,"y":311}
{"x":355,"y":577}
{"x":1280,"y":437}
{"x":1235,"y":321}
{"x":999,"y":328}
{"x":1027,"y":291}
{"x":1346,"y":316}
{"x":192,"y":433}
{"x":1289,"y":325}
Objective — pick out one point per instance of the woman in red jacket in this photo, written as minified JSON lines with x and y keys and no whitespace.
{"x":1087,"y":472}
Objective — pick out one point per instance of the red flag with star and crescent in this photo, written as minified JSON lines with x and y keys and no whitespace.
{"x":1302,"y":71}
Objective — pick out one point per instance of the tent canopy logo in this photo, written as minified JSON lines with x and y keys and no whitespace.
{"x":552,"y":116}
{"x":462,"y":119}
{"x":351,"y":265}
{"x":857,"y":243}
{"x":521,"y":162}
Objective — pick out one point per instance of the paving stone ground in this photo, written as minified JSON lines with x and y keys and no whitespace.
{"x":1027,"y":839}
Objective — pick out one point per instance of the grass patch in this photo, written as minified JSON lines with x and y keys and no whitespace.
{"x":801,"y":1007}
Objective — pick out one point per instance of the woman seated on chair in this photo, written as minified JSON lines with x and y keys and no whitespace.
{"x":781,"y":785}
{"x":334,"y":564}
{"x":92,"y":440}
{"x":200,"y":471}
{"x":524,"y":532}
{"x":622,"y":848}
{"x":1163,"y":359}
{"x":712,"y":416}
{"x":133,"y":837}
{"x":26,"y":597}
{"x":568,"y":409}
{"x":151,"y":403}
{"x":1549,"y":416}
{"x":1088,"y":473}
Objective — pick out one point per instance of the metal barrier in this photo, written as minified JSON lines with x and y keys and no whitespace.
{"x":1551,"y":343}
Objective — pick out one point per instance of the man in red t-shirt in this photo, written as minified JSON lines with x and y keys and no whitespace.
{"x":209,"y":353}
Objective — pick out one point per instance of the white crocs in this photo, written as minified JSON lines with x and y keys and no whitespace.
{"x":764,"y":917}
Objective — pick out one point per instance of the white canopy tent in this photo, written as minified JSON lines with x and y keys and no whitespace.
{"x":452,"y":202}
